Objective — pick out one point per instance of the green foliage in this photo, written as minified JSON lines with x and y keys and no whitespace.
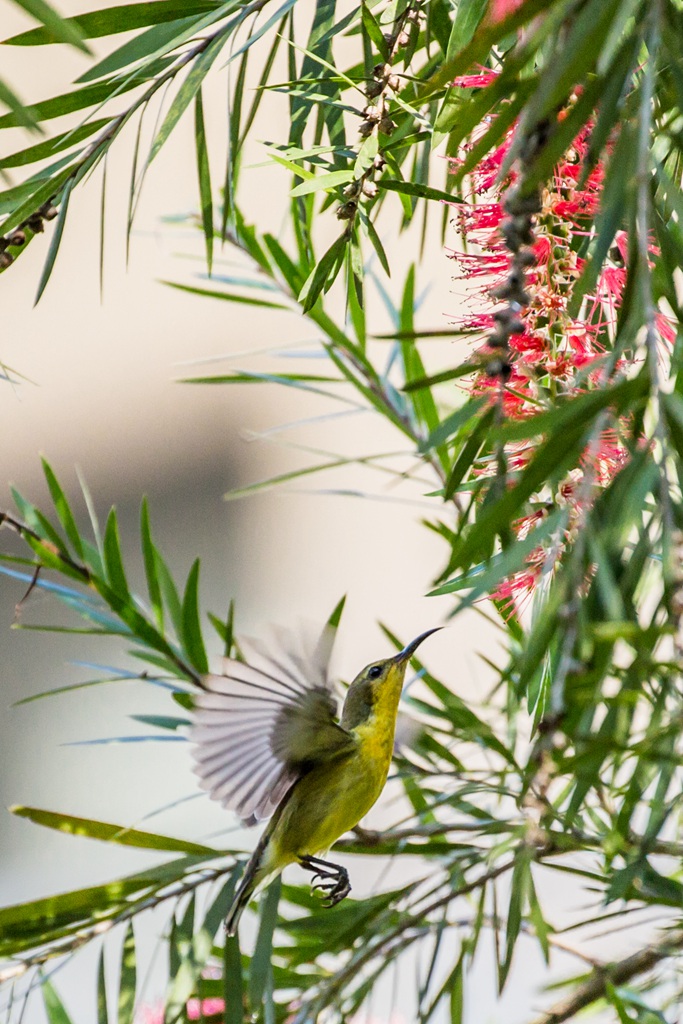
{"x":571,"y":766}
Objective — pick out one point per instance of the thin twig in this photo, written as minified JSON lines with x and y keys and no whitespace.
{"x":595,"y":987}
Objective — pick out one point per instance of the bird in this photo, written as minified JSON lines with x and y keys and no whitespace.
{"x":267,"y":744}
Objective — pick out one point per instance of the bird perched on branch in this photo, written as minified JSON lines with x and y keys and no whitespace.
{"x":268,"y":745}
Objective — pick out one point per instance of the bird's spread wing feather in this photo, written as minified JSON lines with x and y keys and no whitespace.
{"x":265,"y":721}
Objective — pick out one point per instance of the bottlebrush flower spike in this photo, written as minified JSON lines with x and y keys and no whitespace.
{"x":524,"y":264}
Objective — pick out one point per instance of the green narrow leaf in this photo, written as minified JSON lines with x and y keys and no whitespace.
{"x":130,"y":215}
{"x":150,"y":557}
{"x":54,"y":1007}
{"x":452,"y":424}
{"x":375,"y":241}
{"x":519,"y":889}
{"x":484,"y":578}
{"x":337,"y":612}
{"x":181,"y":935}
{"x":203,"y":173}
{"x":366,"y":156}
{"x":127,"y":978}
{"x":34,"y":518}
{"x":102,"y":1012}
{"x":62,"y":508}
{"x":327,"y":267}
{"x":457,"y":991}
{"x":414,"y":188}
{"x":265,"y":27}
{"x":46,"y":150}
{"x":111,"y":20}
{"x":23,"y":116}
{"x":355,"y":287}
{"x":55,"y":240}
{"x":192,"y":946}
{"x":109,"y":833}
{"x":246,"y":300}
{"x":329,"y":181}
{"x":422,"y":401}
{"x":540,"y":925}
{"x":192,"y":633}
{"x":225,"y":628}
{"x":103,"y":208}
{"x":26,"y":925}
{"x":233,"y":981}
{"x":260,"y":971}
{"x":62,"y":30}
{"x":66,"y":103}
{"x":113,"y":561}
{"x":186,"y":93}
{"x":183,"y":969}
{"x":373,"y":31}
{"x":143,"y":45}
{"x":170,"y":595}
{"x":260,"y":91}
{"x":480,"y":45}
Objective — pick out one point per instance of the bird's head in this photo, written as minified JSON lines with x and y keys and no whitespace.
{"x":379,"y":681}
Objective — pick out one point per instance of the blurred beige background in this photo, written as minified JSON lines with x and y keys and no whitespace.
{"x":101,"y":395}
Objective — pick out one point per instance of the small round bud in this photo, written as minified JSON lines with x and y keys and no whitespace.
{"x":17,"y":237}
{"x":509,"y":321}
{"x":499,"y":368}
{"x":525,"y":258}
{"x":386,"y":125}
{"x":6,"y":260}
{"x":370,"y":189}
{"x":49,"y":212}
{"x":347,"y":211}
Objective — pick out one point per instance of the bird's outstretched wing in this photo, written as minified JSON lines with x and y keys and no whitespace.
{"x":266,"y":721}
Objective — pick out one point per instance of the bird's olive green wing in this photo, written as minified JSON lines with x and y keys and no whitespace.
{"x":265,"y":721}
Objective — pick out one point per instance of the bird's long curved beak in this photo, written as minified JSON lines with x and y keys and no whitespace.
{"x":410,"y":649}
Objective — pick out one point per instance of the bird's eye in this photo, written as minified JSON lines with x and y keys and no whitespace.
{"x":375,"y":672}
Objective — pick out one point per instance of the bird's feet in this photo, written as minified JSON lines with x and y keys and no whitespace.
{"x":330,"y":879}
{"x":335,"y":887}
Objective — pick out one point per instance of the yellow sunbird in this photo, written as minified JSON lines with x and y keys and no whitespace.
{"x":268,"y":745}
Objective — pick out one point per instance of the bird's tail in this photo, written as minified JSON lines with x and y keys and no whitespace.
{"x":255,"y":874}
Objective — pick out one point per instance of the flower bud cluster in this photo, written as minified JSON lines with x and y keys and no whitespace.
{"x":18,"y":237}
{"x":377,"y":119}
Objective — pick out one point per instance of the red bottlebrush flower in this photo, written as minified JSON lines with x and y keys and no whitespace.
{"x":480,"y":81}
{"x":544,"y":350}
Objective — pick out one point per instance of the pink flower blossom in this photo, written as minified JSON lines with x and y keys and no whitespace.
{"x":501,"y":9}
{"x":150,"y":1014}
{"x":210,"y":1007}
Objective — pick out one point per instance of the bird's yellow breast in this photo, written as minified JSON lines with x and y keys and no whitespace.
{"x":332,"y":798}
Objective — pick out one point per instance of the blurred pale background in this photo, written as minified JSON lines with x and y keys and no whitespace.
{"x":101,"y":396}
